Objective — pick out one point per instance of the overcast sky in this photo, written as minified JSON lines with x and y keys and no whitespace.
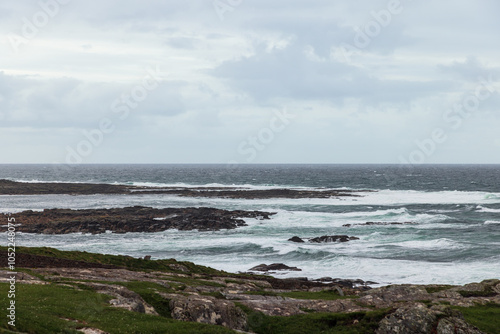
{"x":249,"y":81}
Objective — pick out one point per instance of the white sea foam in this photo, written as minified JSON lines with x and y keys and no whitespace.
{"x":485,"y":209}
{"x":442,"y":243}
{"x":489,"y":222}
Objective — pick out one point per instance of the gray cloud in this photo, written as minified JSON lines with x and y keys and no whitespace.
{"x":223,"y":80}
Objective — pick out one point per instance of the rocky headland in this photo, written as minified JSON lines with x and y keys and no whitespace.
{"x":181,"y":297}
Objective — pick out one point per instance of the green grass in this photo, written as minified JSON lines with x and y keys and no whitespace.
{"x":485,"y":317}
{"x":117,"y":260}
{"x":148,"y":292}
{"x":320,"y":295}
{"x":312,"y":323}
{"x":46,"y":309}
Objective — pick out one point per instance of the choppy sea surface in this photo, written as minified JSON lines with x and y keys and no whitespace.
{"x":455,"y":238}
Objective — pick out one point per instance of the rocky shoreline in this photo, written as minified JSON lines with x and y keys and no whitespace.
{"x":185,"y":292}
{"x":132,"y":219}
{"x":8,"y":187}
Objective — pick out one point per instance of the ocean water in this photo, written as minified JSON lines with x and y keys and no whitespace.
{"x":455,"y":238}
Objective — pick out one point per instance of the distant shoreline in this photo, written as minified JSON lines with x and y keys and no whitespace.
{"x":8,"y":187}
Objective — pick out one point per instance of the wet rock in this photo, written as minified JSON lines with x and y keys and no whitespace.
{"x":296,"y":239}
{"x":22,"y":188}
{"x":333,"y":238}
{"x":324,"y":279}
{"x":132,"y":219}
{"x":274,"y":267}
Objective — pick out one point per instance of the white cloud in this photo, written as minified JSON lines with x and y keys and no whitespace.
{"x":221,"y":81}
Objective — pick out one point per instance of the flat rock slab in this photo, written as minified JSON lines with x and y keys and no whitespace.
{"x":132,"y":219}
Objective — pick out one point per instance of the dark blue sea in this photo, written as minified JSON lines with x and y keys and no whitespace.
{"x":455,"y":211}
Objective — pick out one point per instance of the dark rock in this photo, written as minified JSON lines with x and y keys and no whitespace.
{"x":333,"y":238}
{"x":379,"y":223}
{"x":274,"y":267}
{"x":295,"y":239}
{"x":324,"y":279}
{"x":147,"y":257}
{"x":22,"y":188}
{"x":132,"y":219}
{"x":302,"y":279}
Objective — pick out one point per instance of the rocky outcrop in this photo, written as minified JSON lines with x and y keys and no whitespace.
{"x":388,"y":295}
{"x":273,"y":267}
{"x":132,"y":219}
{"x":280,"y":306}
{"x":260,"y":193}
{"x":351,"y":283}
{"x":22,"y":188}
{"x":325,"y":238}
{"x":208,"y":310}
{"x":419,"y":319}
{"x":188,"y":292}
{"x":123,"y":298}
{"x":333,"y":238}
{"x":296,"y":239}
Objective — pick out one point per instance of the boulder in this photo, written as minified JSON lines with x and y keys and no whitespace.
{"x":414,"y":319}
{"x":207,"y":310}
{"x":295,"y":239}
{"x":418,"y":319}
